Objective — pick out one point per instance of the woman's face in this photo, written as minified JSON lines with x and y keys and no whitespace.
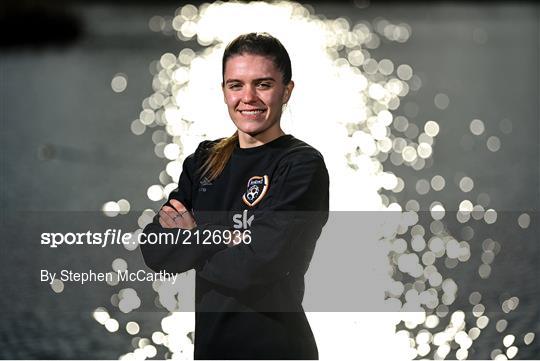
{"x":254,"y":92}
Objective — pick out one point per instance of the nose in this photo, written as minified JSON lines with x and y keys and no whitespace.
{"x":249,"y":94}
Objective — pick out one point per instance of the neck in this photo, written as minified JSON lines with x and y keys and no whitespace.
{"x":249,"y":140}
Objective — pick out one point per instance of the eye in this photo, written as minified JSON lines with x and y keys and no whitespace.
{"x":234,"y":86}
{"x":264,"y":85}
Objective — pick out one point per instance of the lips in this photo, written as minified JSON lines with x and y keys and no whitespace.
{"x":252,"y":111}
{"x":252,"y":114}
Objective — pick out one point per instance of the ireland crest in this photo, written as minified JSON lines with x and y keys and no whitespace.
{"x":256,"y":189}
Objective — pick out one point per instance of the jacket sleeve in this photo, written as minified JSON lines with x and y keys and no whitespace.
{"x":179,"y":257}
{"x":284,"y":230}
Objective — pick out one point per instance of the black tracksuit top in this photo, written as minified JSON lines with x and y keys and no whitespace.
{"x":249,"y":297}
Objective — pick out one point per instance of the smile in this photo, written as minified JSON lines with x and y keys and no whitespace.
{"x":252,"y":112}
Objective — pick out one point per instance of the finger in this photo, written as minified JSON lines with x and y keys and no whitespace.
{"x":186,"y":221}
{"x":187,"y":216}
{"x":183,"y":219}
{"x":162,"y":223}
{"x":169,"y":209}
{"x":180,"y":208}
{"x":166,"y":220}
{"x":177,"y":218}
{"x":163,"y":213}
{"x":171,"y":212}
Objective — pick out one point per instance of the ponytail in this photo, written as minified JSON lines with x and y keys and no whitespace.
{"x":220,"y":154}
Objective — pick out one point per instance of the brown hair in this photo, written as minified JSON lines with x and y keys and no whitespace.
{"x":220,"y":153}
{"x":253,"y":43}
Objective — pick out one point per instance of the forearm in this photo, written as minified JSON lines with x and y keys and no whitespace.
{"x":183,"y":253}
{"x":277,"y":248}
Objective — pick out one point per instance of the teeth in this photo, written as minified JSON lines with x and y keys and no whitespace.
{"x":251,"y":112}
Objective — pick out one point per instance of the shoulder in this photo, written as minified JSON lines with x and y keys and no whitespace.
{"x":301,"y":165}
{"x":207,"y":145}
{"x":194,"y":160}
{"x":298,"y":152}
{"x":203,"y":149}
{"x":301,"y":179}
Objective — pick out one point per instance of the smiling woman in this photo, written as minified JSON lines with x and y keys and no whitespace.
{"x":255,"y":92}
{"x":267,"y":189}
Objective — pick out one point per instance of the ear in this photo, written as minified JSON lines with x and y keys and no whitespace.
{"x":223,"y":91}
{"x":288,"y":91}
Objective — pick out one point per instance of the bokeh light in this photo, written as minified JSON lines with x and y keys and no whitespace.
{"x":119,"y":83}
{"x":374,"y":127}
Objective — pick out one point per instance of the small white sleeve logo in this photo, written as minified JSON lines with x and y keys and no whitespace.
{"x":204,"y":183}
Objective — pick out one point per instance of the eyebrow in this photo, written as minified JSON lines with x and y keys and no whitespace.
{"x":255,"y":80}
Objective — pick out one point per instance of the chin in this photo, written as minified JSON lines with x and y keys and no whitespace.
{"x":250,"y":129}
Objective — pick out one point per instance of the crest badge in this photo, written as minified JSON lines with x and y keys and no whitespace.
{"x":256,"y":189}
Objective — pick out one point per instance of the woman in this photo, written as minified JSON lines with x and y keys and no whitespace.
{"x":271,"y":190}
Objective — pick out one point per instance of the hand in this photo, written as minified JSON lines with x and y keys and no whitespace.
{"x":177,"y":217}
